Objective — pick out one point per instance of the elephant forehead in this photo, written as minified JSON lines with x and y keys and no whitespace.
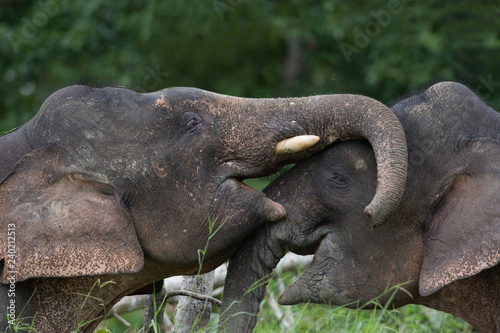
{"x":185,"y":99}
{"x":360,"y":164}
{"x":160,"y":102}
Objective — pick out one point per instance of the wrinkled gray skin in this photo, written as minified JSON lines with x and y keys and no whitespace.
{"x":106,"y":184}
{"x":444,"y":238}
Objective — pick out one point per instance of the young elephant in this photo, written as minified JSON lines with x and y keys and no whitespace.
{"x":106,"y":184}
{"x":444,"y":238}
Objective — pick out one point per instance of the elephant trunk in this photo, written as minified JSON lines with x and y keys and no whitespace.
{"x":341,"y":117}
{"x":246,"y":280}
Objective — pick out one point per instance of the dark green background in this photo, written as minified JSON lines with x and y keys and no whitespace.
{"x":257,"y":48}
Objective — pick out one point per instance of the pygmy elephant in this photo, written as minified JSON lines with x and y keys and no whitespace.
{"x":443,"y":240}
{"x":107,"y":184}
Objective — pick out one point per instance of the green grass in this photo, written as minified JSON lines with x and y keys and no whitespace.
{"x":314,"y":318}
{"x":323,"y":318}
{"x":135,"y":318}
{"x":317,"y":318}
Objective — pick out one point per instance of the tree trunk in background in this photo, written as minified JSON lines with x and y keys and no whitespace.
{"x":192,"y":314}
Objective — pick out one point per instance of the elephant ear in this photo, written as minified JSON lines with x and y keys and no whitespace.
{"x":464,"y":232}
{"x":58,"y":225}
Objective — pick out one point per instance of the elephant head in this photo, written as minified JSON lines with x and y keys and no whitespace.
{"x":442,"y":243}
{"x":107,"y":181}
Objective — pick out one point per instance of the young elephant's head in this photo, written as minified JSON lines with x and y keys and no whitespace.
{"x":353,"y":263}
{"x":442,"y":240}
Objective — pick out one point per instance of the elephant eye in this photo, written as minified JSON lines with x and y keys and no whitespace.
{"x":193,"y":124}
{"x":337,"y":179}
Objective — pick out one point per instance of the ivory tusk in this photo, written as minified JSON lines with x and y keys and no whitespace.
{"x":295,"y":144}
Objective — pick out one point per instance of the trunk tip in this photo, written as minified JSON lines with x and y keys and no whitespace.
{"x":378,"y":215}
{"x":286,"y":299}
{"x":273,"y":211}
{"x":294,"y":294}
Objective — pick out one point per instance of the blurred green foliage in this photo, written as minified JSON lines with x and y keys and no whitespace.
{"x":382,"y":49}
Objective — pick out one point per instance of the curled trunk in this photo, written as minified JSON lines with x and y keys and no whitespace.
{"x":336,"y":118}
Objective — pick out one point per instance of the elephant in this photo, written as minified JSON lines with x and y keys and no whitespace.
{"x":442,"y":244}
{"x":107,"y":191}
